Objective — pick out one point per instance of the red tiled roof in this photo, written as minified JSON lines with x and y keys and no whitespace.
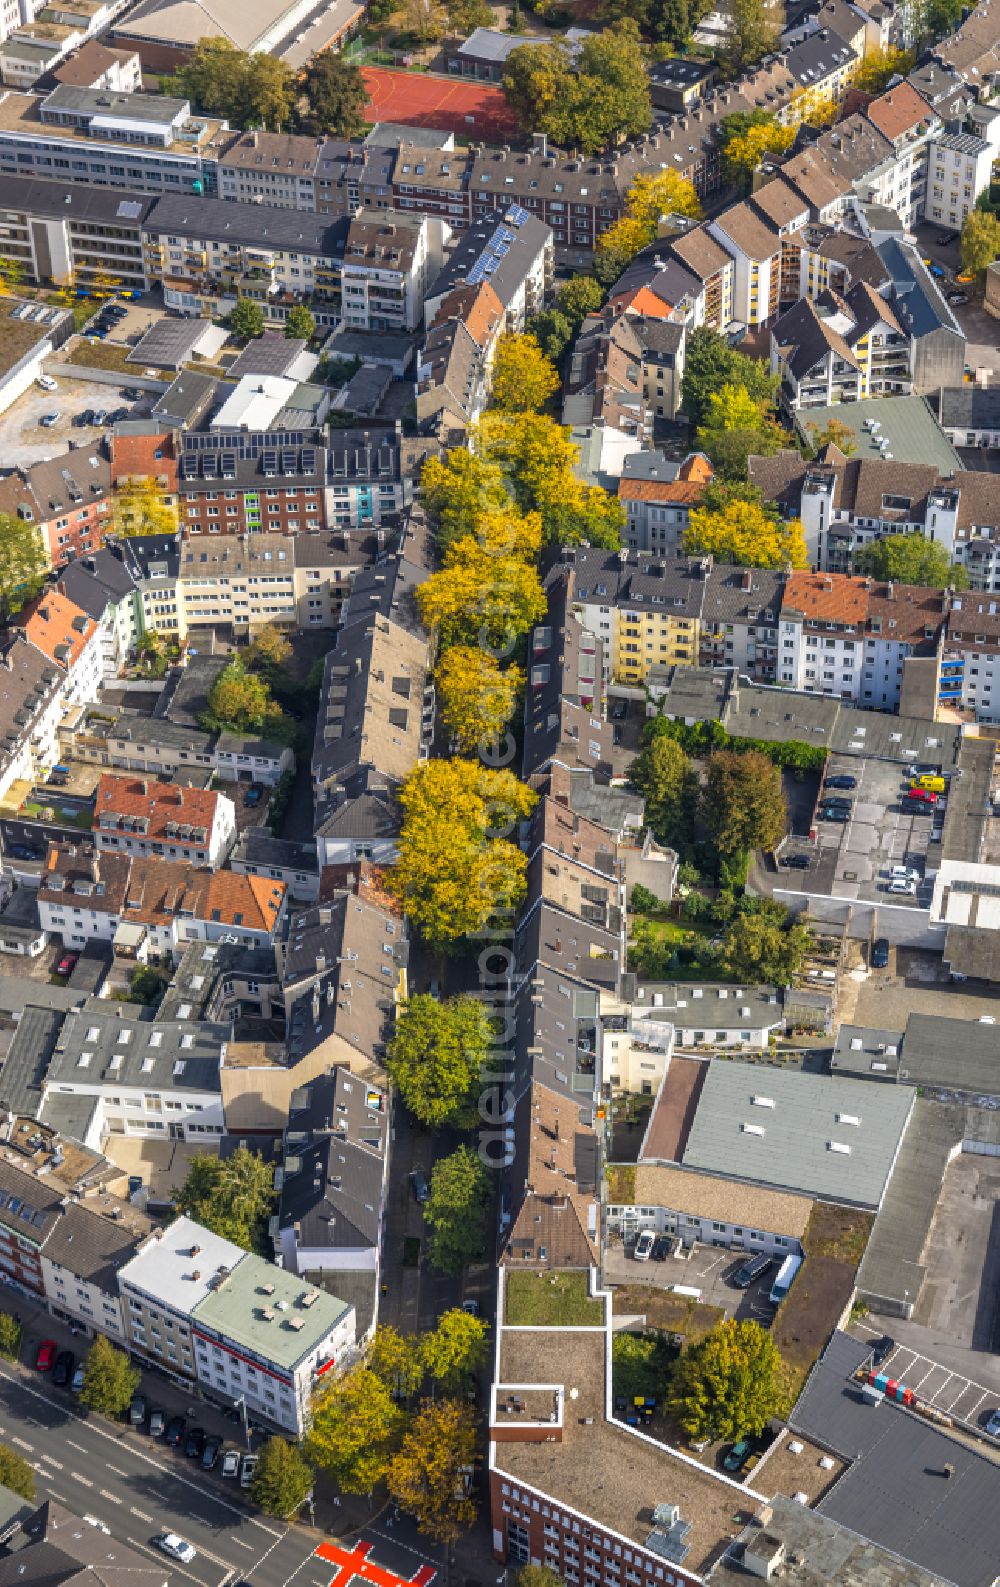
{"x":833,"y":596}
{"x":57,"y":627}
{"x":134,"y":457}
{"x":158,"y":803}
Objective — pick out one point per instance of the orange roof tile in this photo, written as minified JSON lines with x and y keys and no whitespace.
{"x":898,"y":110}
{"x":157,"y":802}
{"x":251,"y":901}
{"x":679,"y":490}
{"x":835,"y":597}
{"x":696,"y":466}
{"x":57,"y":627}
{"x":646,"y":301}
{"x":134,"y":457}
{"x":479,"y":308}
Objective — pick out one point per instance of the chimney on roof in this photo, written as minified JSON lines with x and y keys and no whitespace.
{"x":746,"y":580}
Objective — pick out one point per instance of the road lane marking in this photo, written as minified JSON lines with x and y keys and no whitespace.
{"x":117,"y":1470}
{"x":85,"y":1480}
{"x":24,"y":1388}
{"x":241,"y":1543}
{"x":52,"y":1461}
{"x":161,"y":1559}
{"x":142,"y":1514}
{"x":112,"y":1496}
{"x":22,"y":1445}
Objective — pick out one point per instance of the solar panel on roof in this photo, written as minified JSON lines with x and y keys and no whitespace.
{"x":308,"y":459}
{"x":516,"y":215}
{"x":209,"y":465}
{"x":270,"y":463}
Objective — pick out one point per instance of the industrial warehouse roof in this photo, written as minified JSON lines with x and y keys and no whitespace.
{"x":834,"y":1139}
{"x":907,"y":423}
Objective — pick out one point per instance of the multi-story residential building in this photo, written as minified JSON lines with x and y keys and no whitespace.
{"x":840,"y":349}
{"x":240,"y":582}
{"x":456,"y":359}
{"x":739,"y":621}
{"x":69,"y":638}
{"x":513,"y":253}
{"x":370,"y":475}
{"x":153,"y":563}
{"x":137,"y":143}
{"x":755,"y":247}
{"x":161,"y":1286}
{"x":899,"y":181}
{"x":389,"y":258}
{"x":80,"y":1261}
{"x":904,"y":620}
{"x":168,"y":749}
{"x":324,"y":567}
{"x":68,"y":497}
{"x":970,"y":662}
{"x":657,"y":495}
{"x":207,"y":251}
{"x":277,"y":168}
{"x":71,"y":234}
{"x":126,"y":1076}
{"x":94,"y":65}
{"x":30,"y":1208}
{"x":266,"y":1336}
{"x":959,"y":169}
{"x":563,"y":720}
{"x":603,"y":384}
{"x":937,"y":339}
{"x":258,"y":854}
{"x":31,"y":704}
{"x":646,"y":610}
{"x":101,"y":585}
{"x":36,"y":45}
{"x":251,"y":483}
{"x":821,"y":633}
{"x":822,"y":65}
{"x":85,"y":896}
{"x":140,"y":816}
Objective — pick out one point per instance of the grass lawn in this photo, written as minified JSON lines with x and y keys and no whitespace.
{"x":84,"y":819}
{"x":102,"y":355}
{"x":551,"y":1300}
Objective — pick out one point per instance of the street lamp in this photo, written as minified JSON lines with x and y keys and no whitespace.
{"x":242,"y":1403}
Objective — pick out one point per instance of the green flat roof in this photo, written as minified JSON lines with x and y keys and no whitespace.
{"x":261,"y":1307}
{"x":907,"y":423}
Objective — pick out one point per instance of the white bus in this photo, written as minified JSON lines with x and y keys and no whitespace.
{"x":785,"y":1278}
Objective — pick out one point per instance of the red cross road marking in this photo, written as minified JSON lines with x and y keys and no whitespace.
{"x":354,"y":1563}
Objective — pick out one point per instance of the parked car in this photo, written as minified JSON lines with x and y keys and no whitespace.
{"x":23,"y":851}
{"x":174,"y":1435}
{"x":100,"y":416}
{"x":194,"y":1443}
{"x":210,"y":1453}
{"x":63,"y":1371}
{"x":471,"y":1306}
{"x":49,"y":419}
{"x":957,"y":299}
{"x":157,"y":1422}
{"x":76,"y":1384}
{"x":882,"y":1350}
{"x":738,"y":1455}
{"x":943,"y":239}
{"x":46,"y":383}
{"x":880,"y":953}
{"x":231,"y":1463}
{"x":838,"y":801}
{"x":841,"y":781}
{"x":58,"y":780}
{"x":904,"y":873}
{"x":922,"y":796}
{"x":835,"y":813}
{"x":993,"y":1425}
{"x":644,"y":1246}
{"x":45,"y":1355}
{"x":796,"y":862}
{"x":751,"y":1271}
{"x":137,"y":1410}
{"x":420,"y":1185}
{"x":67,"y":964}
{"x":131,"y":393}
{"x":248,"y":1466}
{"x":254,"y":795}
{"x":902,"y":887}
{"x":661,"y":1247}
{"x":177,"y":1547}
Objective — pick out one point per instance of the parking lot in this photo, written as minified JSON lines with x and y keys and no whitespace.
{"x":951,"y":1392}
{"x":23,"y":440}
{"x":709,"y":1269}
{"x":853,"y":859}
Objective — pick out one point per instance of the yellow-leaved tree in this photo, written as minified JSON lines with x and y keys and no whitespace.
{"x":744,"y":153}
{"x":476,"y":699}
{"x":457,"y":868}
{"x":141,"y":507}
{"x":737,"y":426}
{"x":428,"y":1478}
{"x":523,"y":378}
{"x":666,"y":193}
{"x":478,"y":596}
{"x":745,"y":533}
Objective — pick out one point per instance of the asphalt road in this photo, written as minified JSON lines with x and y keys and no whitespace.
{"x":140,"y":1489}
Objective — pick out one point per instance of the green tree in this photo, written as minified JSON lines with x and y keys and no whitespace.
{"x":354,"y":1428}
{"x":241,"y":701}
{"x":578,"y":297}
{"x":640,"y":1364}
{"x":16,"y":1474}
{"x":336,"y":94}
{"x":747,"y":535}
{"x":553,"y":333}
{"x":249,"y":90}
{"x":738,"y":427}
{"x":878,"y":67}
{"x":233,"y":1196}
{"x":753,"y":29}
{"x":980,"y":241}
{"x":270,"y":92}
{"x":146,"y":985}
{"x":456,"y":1210}
{"x":585,"y":101}
{"x":10,"y":1336}
{"x":430,"y":1476}
{"x":729,"y":1384}
{"x":538,"y":1576}
{"x":710,"y":364}
{"x":743,"y":806}
{"x":422,"y":21}
{"x":662,"y":774}
{"x":301,"y":322}
{"x":109,"y":1379}
{"x":270,"y":649}
{"x":764,"y":947}
{"x":649,"y":198}
{"x":833,"y":433}
{"x":464,"y":16}
{"x":283,"y":1479}
{"x":455,"y":1350}
{"x":436,"y":1055}
{"x":910,"y":559}
{"x":396,"y":1360}
{"x":247,"y":319}
{"x":23,"y":563}
{"x":523,"y":378}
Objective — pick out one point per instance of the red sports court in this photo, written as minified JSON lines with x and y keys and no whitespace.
{"x":419,"y":99}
